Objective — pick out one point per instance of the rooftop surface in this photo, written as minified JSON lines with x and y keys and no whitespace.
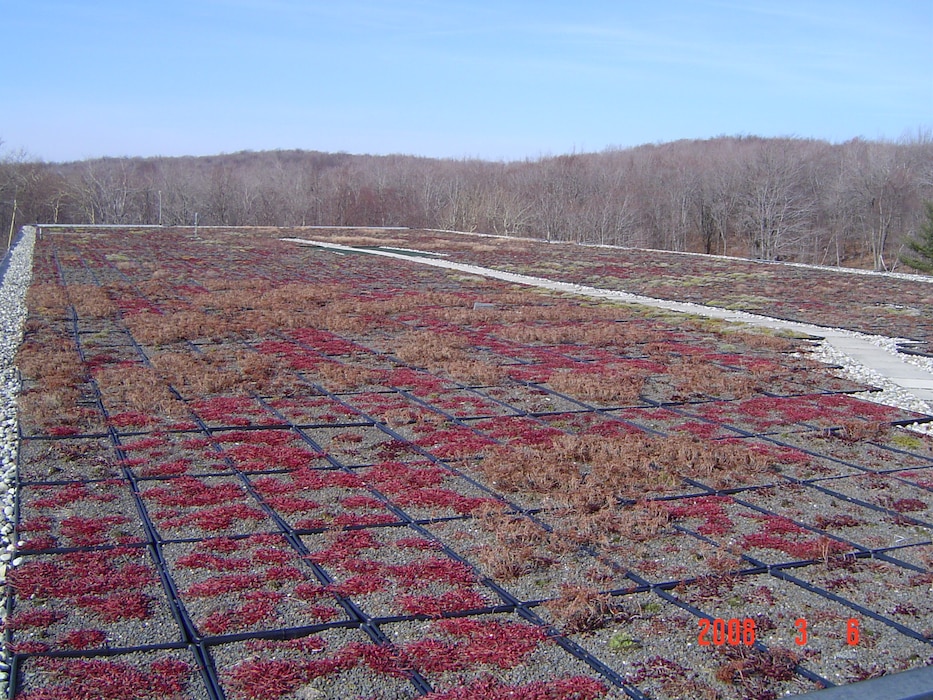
{"x":250,"y":468}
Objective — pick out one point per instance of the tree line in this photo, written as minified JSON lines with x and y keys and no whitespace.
{"x":855,"y":203}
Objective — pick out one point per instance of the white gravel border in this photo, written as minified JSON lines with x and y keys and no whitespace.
{"x":12,"y":317}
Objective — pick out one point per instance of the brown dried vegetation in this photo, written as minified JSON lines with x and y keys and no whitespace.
{"x":430,"y":349}
{"x":52,"y":379}
{"x":762,"y":340}
{"x":695,"y":377}
{"x":53,"y":363}
{"x":164,"y":329}
{"x":137,"y":388}
{"x":597,"y":470}
{"x":855,"y":430}
{"x":53,"y":375}
{"x":47,"y":300}
{"x":258,"y":371}
{"x":575,"y":324}
{"x":579,"y":609}
{"x":448,"y":353}
{"x":605,"y":386}
{"x":340,"y":377}
{"x":297,"y":296}
{"x":91,"y":301}
{"x":521,"y":546}
{"x":474,"y":372}
{"x":194,"y":375}
{"x":46,"y":410}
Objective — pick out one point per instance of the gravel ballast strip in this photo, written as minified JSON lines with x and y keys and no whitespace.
{"x":892,"y":394}
{"x":12,"y":317}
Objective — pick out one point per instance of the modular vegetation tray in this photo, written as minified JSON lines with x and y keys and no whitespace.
{"x":250,"y":469}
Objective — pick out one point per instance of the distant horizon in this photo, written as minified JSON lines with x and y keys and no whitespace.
{"x":503,"y":81}
{"x":905,"y":137}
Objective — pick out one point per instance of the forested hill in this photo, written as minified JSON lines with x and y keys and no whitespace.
{"x":792,"y":199}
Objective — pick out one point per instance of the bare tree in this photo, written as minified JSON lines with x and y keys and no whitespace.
{"x":879,"y":187}
{"x":766,"y":198}
{"x":774,"y":209}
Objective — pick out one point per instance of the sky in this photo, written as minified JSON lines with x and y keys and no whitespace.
{"x":489,"y":79}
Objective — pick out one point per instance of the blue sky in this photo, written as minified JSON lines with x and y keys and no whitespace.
{"x":497,"y":79}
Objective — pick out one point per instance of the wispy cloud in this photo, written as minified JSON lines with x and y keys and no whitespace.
{"x":540,"y":72}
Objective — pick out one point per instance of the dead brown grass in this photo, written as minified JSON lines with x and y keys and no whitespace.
{"x":301,"y":295}
{"x":259,"y":323}
{"x":643,"y":520}
{"x":541,"y":333}
{"x":579,"y":609}
{"x":576,"y":325}
{"x":53,"y":364}
{"x":521,"y":546}
{"x":765,"y":341}
{"x":519,"y":468}
{"x":696,"y":377}
{"x":595,"y":519}
{"x":430,"y":349}
{"x":349,"y":322}
{"x":589,"y":473}
{"x":47,"y":300}
{"x":39,"y":410}
{"x":605,"y":385}
{"x":359,"y":239}
{"x":215,"y":282}
{"x":91,"y":301}
{"x":258,"y":370}
{"x":337,"y":376}
{"x":855,"y":430}
{"x":474,"y":372}
{"x":602,"y":526}
{"x":447,"y":353}
{"x":164,"y":329}
{"x":53,"y":375}
{"x":195,"y":374}
{"x":137,"y":388}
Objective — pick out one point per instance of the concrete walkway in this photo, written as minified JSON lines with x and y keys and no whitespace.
{"x":872,"y":352}
{"x":891,"y":366}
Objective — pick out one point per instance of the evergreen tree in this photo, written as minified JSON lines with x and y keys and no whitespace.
{"x":921,"y":245}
